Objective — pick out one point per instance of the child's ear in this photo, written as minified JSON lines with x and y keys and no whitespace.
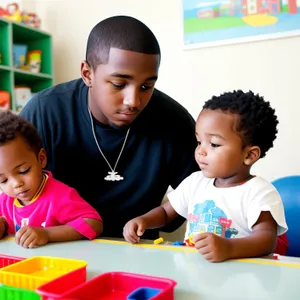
{"x":42,"y":158}
{"x":252,"y":155}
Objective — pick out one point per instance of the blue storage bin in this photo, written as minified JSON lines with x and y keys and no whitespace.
{"x":143,"y":293}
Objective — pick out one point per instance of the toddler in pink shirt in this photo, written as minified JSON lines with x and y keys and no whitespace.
{"x":34,"y":206}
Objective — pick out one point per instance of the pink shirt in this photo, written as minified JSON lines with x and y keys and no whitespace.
{"x":57,"y":204}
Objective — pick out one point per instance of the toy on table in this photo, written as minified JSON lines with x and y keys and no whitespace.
{"x":189,"y":241}
{"x":178,"y":243}
{"x":158,"y":241}
{"x":161,"y":240}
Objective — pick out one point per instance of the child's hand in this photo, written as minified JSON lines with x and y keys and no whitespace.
{"x":29,"y":237}
{"x":134,"y":229}
{"x":212,"y":247}
{"x":3,"y":226}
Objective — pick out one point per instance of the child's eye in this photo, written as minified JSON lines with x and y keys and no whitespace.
{"x":199,"y":143}
{"x":3,"y":181}
{"x":146,"y":87}
{"x":214,"y":145}
{"x":118,"y":86}
{"x":25,"y":172}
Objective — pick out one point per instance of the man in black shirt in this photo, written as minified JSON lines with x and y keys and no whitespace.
{"x":111,"y":135}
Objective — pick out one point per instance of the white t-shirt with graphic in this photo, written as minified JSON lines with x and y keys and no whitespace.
{"x":228,"y":212}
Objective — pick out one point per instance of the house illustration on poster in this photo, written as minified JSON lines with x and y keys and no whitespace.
{"x":212,"y":22}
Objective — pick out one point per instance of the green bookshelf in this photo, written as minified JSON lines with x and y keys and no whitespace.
{"x":12,"y":33}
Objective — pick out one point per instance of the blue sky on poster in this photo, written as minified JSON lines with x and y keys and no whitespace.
{"x":191,"y":4}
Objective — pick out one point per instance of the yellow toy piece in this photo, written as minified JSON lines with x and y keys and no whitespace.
{"x":190,"y":240}
{"x":158,"y":241}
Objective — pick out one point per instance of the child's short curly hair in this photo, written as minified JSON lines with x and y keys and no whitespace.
{"x":12,"y":125}
{"x":257,"y":123}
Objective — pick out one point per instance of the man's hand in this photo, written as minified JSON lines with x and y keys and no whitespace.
{"x":212,"y":247}
{"x":134,"y":229}
{"x":3,"y":227}
{"x":30,"y":237}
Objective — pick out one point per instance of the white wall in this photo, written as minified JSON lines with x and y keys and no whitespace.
{"x":3,"y":3}
{"x":191,"y":76}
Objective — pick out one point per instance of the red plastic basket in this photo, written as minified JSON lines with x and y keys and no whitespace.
{"x":6,"y":260}
{"x":56,"y":288}
{"x":113,"y":285}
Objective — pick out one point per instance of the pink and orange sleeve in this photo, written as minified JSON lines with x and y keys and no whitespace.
{"x":72,"y":210}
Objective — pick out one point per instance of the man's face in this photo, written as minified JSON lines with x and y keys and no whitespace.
{"x":120,"y":89}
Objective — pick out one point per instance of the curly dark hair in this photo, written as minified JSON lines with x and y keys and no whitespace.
{"x":12,"y":125}
{"x":257,"y":124}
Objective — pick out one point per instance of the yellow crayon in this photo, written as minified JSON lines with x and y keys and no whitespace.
{"x":158,"y":241}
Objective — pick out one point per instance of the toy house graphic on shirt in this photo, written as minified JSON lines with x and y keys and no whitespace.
{"x":207,"y":217}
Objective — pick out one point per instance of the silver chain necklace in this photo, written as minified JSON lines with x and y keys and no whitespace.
{"x":113,"y":175}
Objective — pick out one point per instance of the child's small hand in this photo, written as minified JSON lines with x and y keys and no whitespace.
{"x":134,"y":229}
{"x":212,"y":247}
{"x":29,"y":237}
{"x":3,"y":226}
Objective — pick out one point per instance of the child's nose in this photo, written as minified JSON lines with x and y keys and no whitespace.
{"x":17,"y":183}
{"x":201,"y":150}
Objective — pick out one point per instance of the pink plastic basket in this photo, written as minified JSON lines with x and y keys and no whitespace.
{"x":6,"y":260}
{"x":112,"y":286}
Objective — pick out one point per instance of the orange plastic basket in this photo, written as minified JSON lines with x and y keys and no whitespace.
{"x":33,"y":272}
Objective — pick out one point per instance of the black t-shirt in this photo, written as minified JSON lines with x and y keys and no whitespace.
{"x":159,"y":152}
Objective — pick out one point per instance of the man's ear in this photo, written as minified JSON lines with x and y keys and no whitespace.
{"x":42,"y":158}
{"x":86,"y":73}
{"x":252,"y":155}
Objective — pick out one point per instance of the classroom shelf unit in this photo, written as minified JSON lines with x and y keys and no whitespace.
{"x":12,"y":33}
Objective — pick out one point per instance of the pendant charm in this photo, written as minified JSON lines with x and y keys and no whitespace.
{"x":113,"y":176}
